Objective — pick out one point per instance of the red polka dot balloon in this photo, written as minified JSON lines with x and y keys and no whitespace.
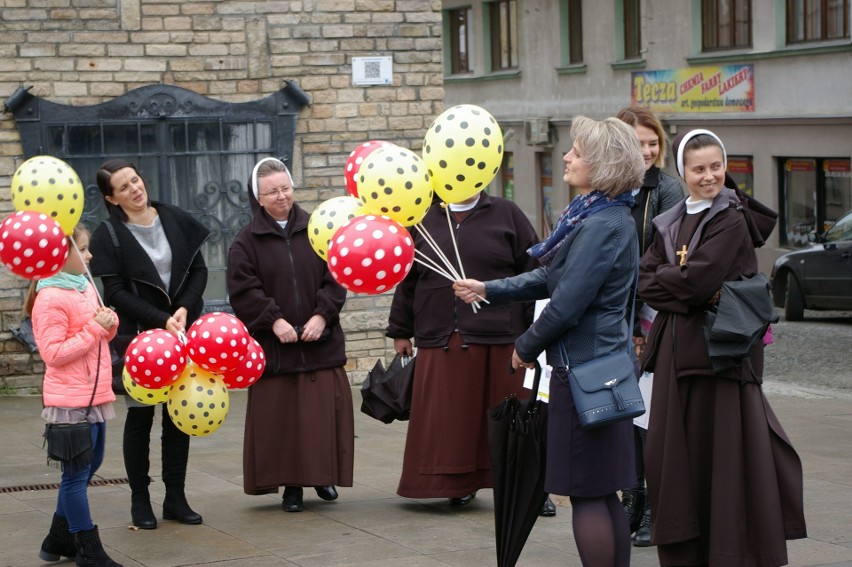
{"x":370,"y":254}
{"x":217,"y":342}
{"x":32,"y":245}
{"x":250,"y":368}
{"x":155,"y":358}
{"x":354,"y":161}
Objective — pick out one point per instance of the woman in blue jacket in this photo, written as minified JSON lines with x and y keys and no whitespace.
{"x":589,"y":264}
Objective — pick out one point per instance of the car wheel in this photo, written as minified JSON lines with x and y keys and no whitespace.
{"x":794,"y":304}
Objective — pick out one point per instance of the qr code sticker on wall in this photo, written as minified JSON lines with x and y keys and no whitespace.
{"x":372,"y":70}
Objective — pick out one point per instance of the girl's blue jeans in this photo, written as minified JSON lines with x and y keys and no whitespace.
{"x":73,"y":502}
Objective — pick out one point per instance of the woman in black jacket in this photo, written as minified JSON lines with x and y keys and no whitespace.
{"x":148,"y":256}
{"x":659,"y":193}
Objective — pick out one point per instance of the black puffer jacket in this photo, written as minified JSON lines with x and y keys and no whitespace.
{"x":660,"y":192}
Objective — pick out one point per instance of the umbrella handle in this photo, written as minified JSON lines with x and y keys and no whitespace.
{"x":536,"y":380}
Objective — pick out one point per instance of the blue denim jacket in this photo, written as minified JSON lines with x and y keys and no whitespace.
{"x":589,"y":283}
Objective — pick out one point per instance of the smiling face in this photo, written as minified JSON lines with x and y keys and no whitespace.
{"x":128,"y":191}
{"x":275,"y":194}
{"x":704,"y":172}
{"x":650,"y":143}
{"x":577,"y":170}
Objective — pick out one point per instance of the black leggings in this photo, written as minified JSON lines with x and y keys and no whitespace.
{"x":601,"y":531}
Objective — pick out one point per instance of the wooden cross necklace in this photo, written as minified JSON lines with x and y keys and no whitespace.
{"x":682,"y":254}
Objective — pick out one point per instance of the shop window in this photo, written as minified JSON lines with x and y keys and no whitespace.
{"x":817,"y":20}
{"x":459,"y":39}
{"x":550,"y":209}
{"x":725,"y":24}
{"x":507,"y":176}
{"x":741,"y":169}
{"x":194,"y":152}
{"x":503,"y":23}
{"x":572,"y":31}
{"x":814,"y":194}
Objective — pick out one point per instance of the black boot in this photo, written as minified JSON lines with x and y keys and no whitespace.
{"x":633,"y":500}
{"x":175,"y":457}
{"x":59,"y":541}
{"x":90,"y":551}
{"x":137,"y":438}
{"x":642,"y":537}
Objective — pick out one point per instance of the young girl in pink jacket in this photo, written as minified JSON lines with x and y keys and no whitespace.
{"x":72,"y":331}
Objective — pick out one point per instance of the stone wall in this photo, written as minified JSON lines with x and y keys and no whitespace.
{"x":84,"y":52}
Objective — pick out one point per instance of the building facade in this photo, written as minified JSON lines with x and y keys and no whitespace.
{"x":771,"y":78}
{"x":90,"y":53}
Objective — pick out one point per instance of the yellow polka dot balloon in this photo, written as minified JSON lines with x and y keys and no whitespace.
{"x":327,"y":218}
{"x":198,"y":402}
{"x":463,"y":150}
{"x":48,"y":185}
{"x":141,"y":394}
{"x":393,"y":182}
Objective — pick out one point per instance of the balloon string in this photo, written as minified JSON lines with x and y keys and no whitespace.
{"x":449,"y":265}
{"x":453,"y":238}
{"x":434,"y":245}
{"x":430,"y":264}
{"x":88,"y":273}
{"x":434,"y":269}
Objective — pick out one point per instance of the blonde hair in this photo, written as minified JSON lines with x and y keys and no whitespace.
{"x":641,"y":116}
{"x":613,"y":153}
{"x":29,"y":298}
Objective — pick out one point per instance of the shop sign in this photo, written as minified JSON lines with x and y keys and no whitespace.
{"x":739,"y":165}
{"x":800,"y":165}
{"x":837,"y":168}
{"x":723,"y":88}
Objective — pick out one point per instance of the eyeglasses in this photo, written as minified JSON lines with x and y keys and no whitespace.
{"x":282,"y":191}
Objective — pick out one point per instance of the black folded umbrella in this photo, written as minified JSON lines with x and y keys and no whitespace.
{"x":517,"y":435}
{"x":386,"y":394}
{"x":739,"y":321}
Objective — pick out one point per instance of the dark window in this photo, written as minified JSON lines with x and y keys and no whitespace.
{"x":725,"y":24}
{"x":549,"y":208}
{"x":575,"y":31}
{"x":459,"y":40}
{"x":194,"y":152}
{"x":508,"y":175}
{"x":632,"y":30}
{"x":817,"y":20}
{"x":504,"y":34}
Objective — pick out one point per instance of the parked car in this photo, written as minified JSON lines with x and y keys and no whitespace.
{"x":817,"y":277}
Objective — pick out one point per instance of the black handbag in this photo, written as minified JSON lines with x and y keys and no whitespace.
{"x":606,"y":389}
{"x":70,"y":444}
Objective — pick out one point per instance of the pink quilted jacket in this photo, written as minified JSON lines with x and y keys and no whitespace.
{"x":67,"y":338}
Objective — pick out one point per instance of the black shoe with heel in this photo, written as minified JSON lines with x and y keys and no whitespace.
{"x":327,"y":493}
{"x":175,"y":507}
{"x":463,"y":500}
{"x":59,"y":542}
{"x":642,"y":537}
{"x":141,"y":512}
{"x":549,"y":508}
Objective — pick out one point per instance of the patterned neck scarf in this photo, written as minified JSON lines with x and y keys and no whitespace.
{"x":580,"y":208}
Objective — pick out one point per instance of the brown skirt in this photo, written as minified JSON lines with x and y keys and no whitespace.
{"x":446,"y":449}
{"x":299,"y":431}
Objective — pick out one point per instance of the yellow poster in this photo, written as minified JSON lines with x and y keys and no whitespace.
{"x":726,"y":88}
